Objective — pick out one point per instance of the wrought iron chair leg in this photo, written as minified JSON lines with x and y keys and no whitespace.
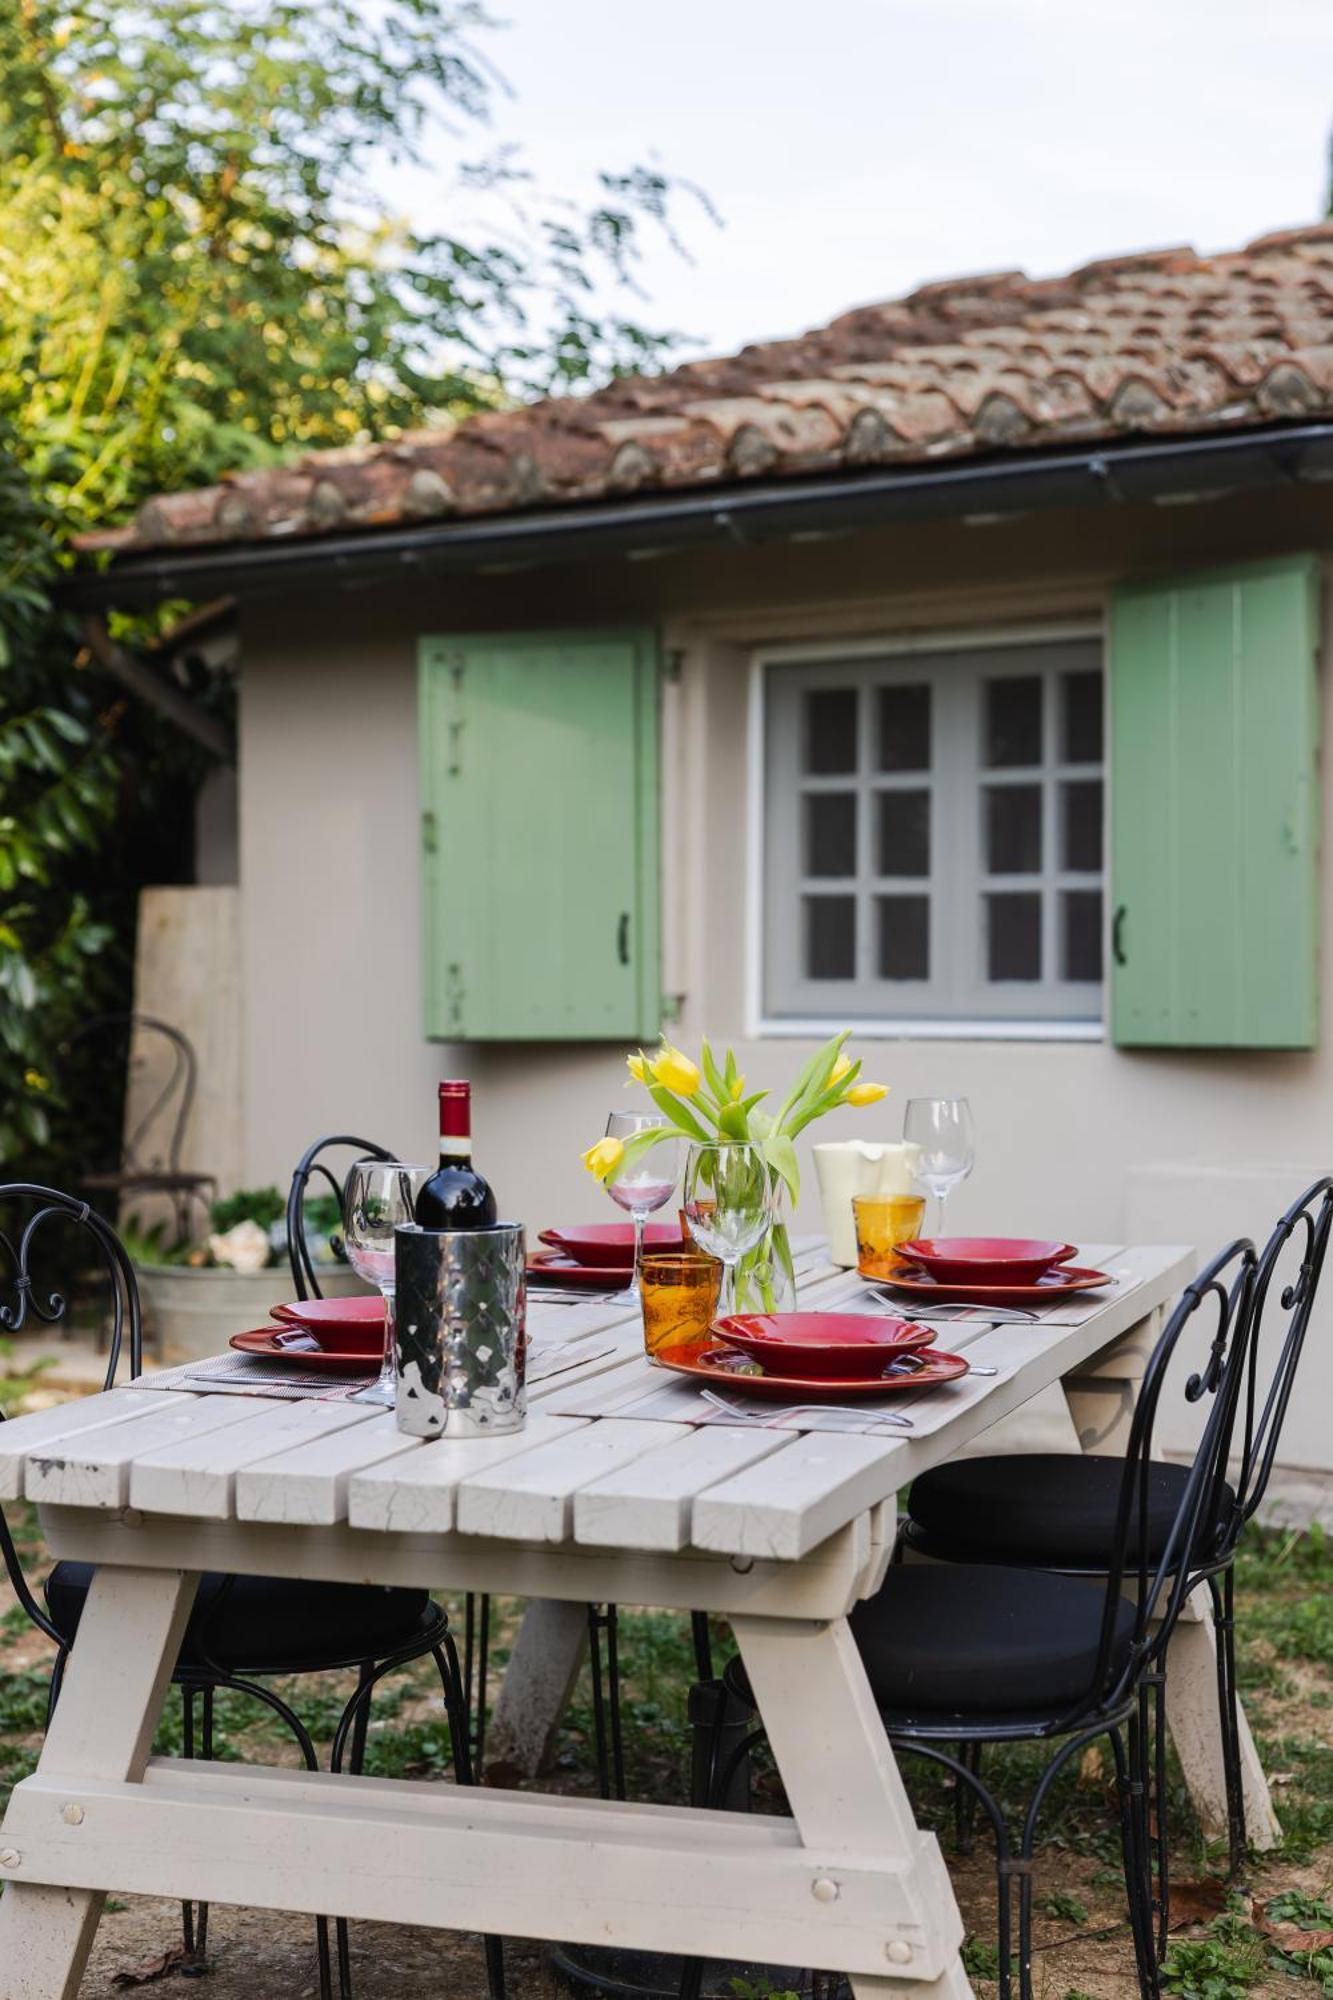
{"x":483,"y":1668}
{"x":703,"y":1646}
{"x":613,"y":1697}
{"x":1005,"y":1865}
{"x":1140,"y":1906}
{"x":57,"y":1682}
{"x":206,"y":1752}
{"x":445,"y":1656}
{"x":1224,"y":1624}
{"x":598,"y":1701}
{"x":965,"y":1800}
{"x":187,"y":1747}
{"x":356,"y":1758}
{"x":1161,"y":1801}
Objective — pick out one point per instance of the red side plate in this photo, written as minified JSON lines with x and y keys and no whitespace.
{"x":720,"y":1367}
{"x":611,"y":1242}
{"x":264,"y":1343}
{"x":550,"y":1268}
{"x":837,"y":1345}
{"x":1057,"y":1284}
{"x":323,"y":1314}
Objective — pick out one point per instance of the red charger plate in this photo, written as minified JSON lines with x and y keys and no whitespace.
{"x":351,"y":1360}
{"x":841,"y":1346}
{"x":611,"y":1242}
{"x":716,"y":1366}
{"x":1058,"y":1284}
{"x":324,"y":1314}
{"x":549,"y":1267}
{"x":985,"y":1260}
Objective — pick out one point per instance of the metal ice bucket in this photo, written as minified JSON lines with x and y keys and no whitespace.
{"x":459,"y":1334}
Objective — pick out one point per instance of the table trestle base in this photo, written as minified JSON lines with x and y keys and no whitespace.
{"x":515,"y":1862}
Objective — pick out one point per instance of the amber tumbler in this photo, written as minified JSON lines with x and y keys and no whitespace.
{"x":882,"y":1222}
{"x":680,"y":1296}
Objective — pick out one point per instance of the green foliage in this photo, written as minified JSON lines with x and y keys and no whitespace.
{"x":1221,"y":1966}
{"x":262,"y":1205}
{"x":1064,"y":1906}
{"x":980,"y":1959}
{"x":196,"y":276}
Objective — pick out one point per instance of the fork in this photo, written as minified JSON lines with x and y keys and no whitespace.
{"x":996,"y":1315}
{"x":768,"y":1418}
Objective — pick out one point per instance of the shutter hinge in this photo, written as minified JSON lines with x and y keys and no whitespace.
{"x":430,"y":833}
{"x":453,"y":996}
{"x":673,"y":1006}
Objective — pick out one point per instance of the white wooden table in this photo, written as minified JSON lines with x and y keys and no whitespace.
{"x":780,"y":1532}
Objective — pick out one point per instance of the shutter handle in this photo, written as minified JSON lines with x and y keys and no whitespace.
{"x":622,"y":938}
{"x":1118,"y":936}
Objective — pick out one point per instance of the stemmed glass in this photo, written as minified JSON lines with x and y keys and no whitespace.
{"x":728,"y":1204}
{"x":941,"y":1130}
{"x":379,"y":1195}
{"x":649,"y":1184}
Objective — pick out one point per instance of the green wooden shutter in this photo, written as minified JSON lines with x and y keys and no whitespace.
{"x":540,"y":836}
{"x":1214,"y":809}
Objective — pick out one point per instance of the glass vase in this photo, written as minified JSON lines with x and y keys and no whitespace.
{"x":765,"y":1280}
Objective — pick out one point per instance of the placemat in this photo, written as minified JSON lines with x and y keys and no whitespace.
{"x":248,"y":1375}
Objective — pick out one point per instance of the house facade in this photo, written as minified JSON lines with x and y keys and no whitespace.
{"x":953,"y":673}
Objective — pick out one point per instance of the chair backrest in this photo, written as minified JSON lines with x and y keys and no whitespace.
{"x":32,"y":1217}
{"x":309,"y":1167}
{"x":168,"y":1109}
{"x":1281,"y":1320}
{"x":1158,"y":1576}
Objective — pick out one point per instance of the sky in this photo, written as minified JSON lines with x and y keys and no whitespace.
{"x":855,"y":148}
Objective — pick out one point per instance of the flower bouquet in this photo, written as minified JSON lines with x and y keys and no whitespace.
{"x":707,"y":1101}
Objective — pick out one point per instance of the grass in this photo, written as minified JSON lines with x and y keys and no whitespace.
{"x":1275,"y":1937}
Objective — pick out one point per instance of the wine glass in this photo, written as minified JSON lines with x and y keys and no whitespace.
{"x":379,"y":1195}
{"x":728,"y":1204}
{"x":941,"y":1130}
{"x":649,"y":1183}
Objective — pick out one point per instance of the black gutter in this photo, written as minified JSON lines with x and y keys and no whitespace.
{"x":1105,"y":474}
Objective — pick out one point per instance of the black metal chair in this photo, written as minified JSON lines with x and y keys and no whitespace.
{"x":241,"y":1626}
{"x":150,"y":1159}
{"x":972,"y":1655}
{"x":1057,"y":1512}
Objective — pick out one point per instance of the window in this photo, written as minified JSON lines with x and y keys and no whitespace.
{"x":933,"y":834}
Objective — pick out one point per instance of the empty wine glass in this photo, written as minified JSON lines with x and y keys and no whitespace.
{"x":941,"y":1130}
{"x":648,"y":1185}
{"x":728,"y":1204}
{"x":378,"y":1196}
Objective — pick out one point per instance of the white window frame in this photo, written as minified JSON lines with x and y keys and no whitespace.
{"x":817,"y":1027}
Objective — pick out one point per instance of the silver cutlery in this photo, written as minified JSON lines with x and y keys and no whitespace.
{"x":983,"y":1315}
{"x":768,"y":1419}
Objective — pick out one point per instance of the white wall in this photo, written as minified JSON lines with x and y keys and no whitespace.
{"x":329,"y":889}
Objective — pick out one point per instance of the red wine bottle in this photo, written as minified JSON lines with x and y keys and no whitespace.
{"x":456,"y":1196}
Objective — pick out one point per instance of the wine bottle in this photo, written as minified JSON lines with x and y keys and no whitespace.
{"x":456,"y":1196}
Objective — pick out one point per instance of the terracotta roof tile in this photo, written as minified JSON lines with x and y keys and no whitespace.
{"x":1162,"y":341}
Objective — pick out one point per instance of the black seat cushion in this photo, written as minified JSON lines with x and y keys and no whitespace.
{"x":957,"y":1639}
{"x":272,"y":1624}
{"x":1052,"y":1510}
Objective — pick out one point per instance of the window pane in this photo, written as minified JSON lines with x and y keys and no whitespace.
{"x":830,"y":937}
{"x":830,"y":833}
{"x":1013,"y":829}
{"x":904,"y":833}
{"x":1013,"y":722}
{"x":1013,"y":936}
{"x":1081,"y":934}
{"x":904,"y":937}
{"x":830,"y":730}
{"x":1081,"y":731}
{"x":904,"y":728}
{"x":1081,"y":825}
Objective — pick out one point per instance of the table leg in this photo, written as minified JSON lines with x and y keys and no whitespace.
{"x":843,"y":1784}
{"x":534,"y":1694}
{"x":1101,"y":1399}
{"x":118,"y":1674}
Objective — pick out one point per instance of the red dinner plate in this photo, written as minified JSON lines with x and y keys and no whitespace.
{"x":1057,"y":1284}
{"x":611,"y":1242}
{"x":264,"y":1341}
{"x":839,"y":1345}
{"x":323,"y":1314}
{"x":985,"y":1260}
{"x":549,"y":1267}
{"x":718,"y":1367}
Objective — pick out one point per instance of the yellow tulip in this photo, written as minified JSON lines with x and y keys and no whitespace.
{"x":603,"y":1158}
{"x":675,"y":1071}
{"x":637,"y":1068}
{"x":738,"y":1090}
{"x":840,"y":1069}
{"x":866,"y":1093}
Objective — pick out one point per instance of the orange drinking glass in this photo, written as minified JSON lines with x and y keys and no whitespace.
{"x":882,"y":1222}
{"x":680,"y":1295}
